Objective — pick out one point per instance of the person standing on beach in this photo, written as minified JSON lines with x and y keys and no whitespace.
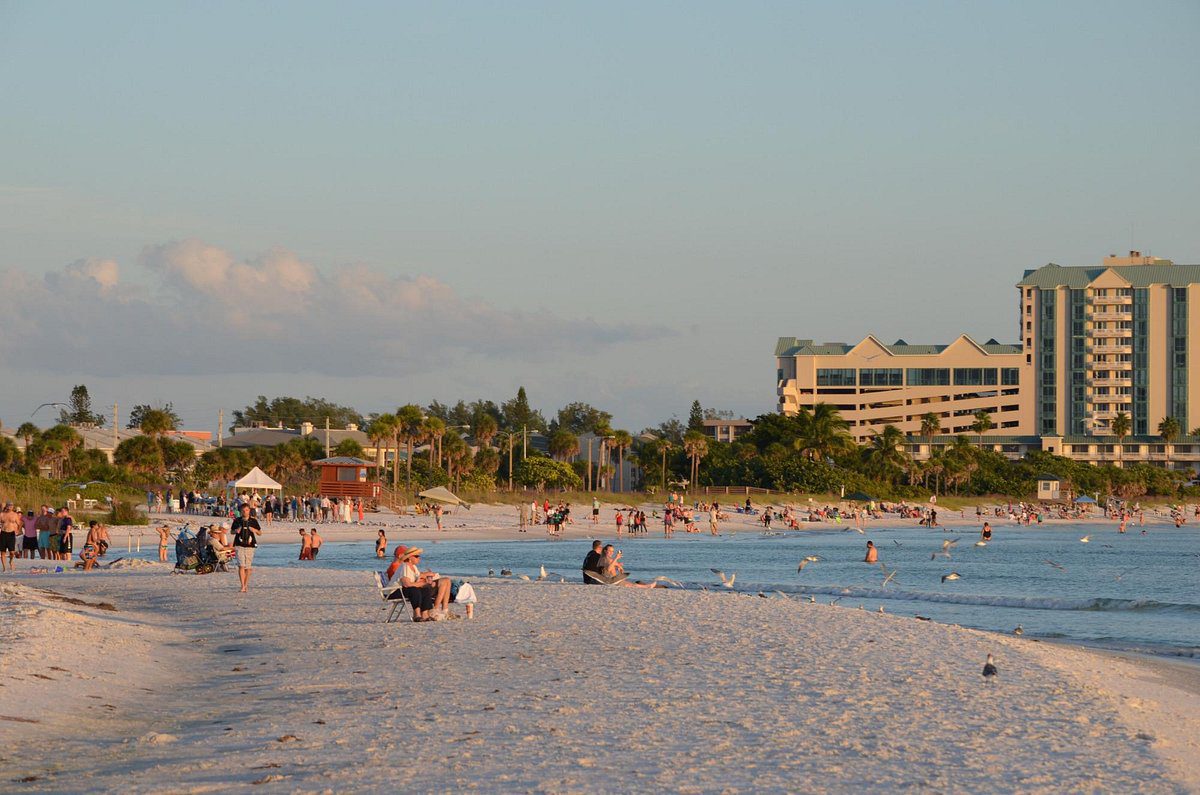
{"x":523,"y":515}
{"x":10,"y":526}
{"x":712,"y":518}
{"x":437,"y":515}
{"x":246,"y":531}
{"x":595,"y":510}
{"x":620,"y":522}
{"x":44,"y":524}
{"x":29,"y":543}
{"x":164,"y":534}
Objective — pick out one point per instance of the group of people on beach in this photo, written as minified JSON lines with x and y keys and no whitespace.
{"x":48,"y":534}
{"x":306,"y":507}
{"x":427,"y":592}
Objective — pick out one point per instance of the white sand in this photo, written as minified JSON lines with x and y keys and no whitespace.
{"x":559,"y":688}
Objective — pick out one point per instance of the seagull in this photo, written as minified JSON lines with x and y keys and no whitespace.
{"x":954,"y":575}
{"x":949,"y":542}
{"x":1019,"y":630}
{"x":881,"y":608}
{"x":889,"y":575}
{"x":812,"y":600}
{"x":491,"y":572}
{"x":505,"y":572}
{"x":1085,"y":539}
{"x":669,"y":581}
{"x":39,"y":408}
{"x":1122,"y":574}
{"x":835,"y":601}
{"x":727,"y":582}
{"x":897,"y":543}
{"x":524,"y":577}
{"x":543,"y":575}
{"x":783,"y":595}
{"x":989,"y":669}
{"x":1055,"y":565}
{"x":805,"y":562}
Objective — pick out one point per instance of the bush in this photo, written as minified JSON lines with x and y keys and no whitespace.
{"x":123,"y":512}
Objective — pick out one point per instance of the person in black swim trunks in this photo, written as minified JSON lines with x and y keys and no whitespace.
{"x":10,"y":525}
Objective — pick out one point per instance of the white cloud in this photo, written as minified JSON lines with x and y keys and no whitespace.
{"x":199,"y":309}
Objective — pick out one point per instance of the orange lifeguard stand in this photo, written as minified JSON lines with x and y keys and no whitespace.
{"x":345,"y":476}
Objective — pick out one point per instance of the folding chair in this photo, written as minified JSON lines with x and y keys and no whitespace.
{"x":386,"y":592}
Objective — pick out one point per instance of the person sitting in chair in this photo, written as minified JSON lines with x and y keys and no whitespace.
{"x":428,"y":593}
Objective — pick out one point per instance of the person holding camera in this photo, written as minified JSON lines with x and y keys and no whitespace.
{"x":246,"y":531}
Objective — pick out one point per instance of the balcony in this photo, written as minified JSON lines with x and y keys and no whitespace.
{"x":1110,"y":381}
{"x":1108,"y":314}
{"x":1111,"y":349}
{"x":1109,"y":300}
{"x":1112,"y":332}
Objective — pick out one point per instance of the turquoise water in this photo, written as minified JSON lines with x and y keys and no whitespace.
{"x":1132,"y":591}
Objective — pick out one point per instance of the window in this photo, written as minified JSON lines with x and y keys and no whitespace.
{"x":974,"y":376}
{"x":881,"y":377}
{"x":835,"y":377}
{"x":1010,"y":376}
{"x":928,"y":376}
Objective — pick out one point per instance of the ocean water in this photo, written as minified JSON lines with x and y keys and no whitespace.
{"x":1133,"y":592}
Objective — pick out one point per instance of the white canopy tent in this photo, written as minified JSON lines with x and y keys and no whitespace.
{"x":257,"y":479}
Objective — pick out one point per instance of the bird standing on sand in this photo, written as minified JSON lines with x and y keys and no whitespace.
{"x":1019,"y":630}
{"x":954,"y":575}
{"x":726,"y":581}
{"x":989,"y":669}
{"x":542,"y":575}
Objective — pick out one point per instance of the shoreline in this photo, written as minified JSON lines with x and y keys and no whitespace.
{"x":793,"y":693}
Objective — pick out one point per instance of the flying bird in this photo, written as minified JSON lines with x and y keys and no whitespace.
{"x":1055,"y":565}
{"x":897,"y":543}
{"x":888,"y":575}
{"x":949,"y":542}
{"x":39,"y":408}
{"x":1085,"y":539}
{"x":954,"y":575}
{"x":727,"y":582}
{"x":989,"y":669}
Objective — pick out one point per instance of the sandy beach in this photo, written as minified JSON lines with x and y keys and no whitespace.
{"x":298,"y":686}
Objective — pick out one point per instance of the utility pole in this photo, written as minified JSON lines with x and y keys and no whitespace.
{"x":327,"y":437}
{"x":115,"y":427}
{"x":589,"y":469}
{"x":524,"y":442}
{"x":510,"y":461}
{"x":220,"y":427}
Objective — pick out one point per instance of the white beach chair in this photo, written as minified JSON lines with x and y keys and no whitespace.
{"x":387,"y":592}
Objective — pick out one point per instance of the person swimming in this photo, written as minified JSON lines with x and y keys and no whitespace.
{"x":872,"y":553}
{"x":986,"y":533}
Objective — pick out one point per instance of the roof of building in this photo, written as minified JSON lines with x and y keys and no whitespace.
{"x":345,"y":461}
{"x":1080,"y":276}
{"x":792,"y":346}
{"x":272,"y":437}
{"x":740,"y":422}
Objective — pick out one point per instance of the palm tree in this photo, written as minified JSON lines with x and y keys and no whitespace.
{"x":622,"y":441}
{"x":931,"y":425}
{"x":28,"y":431}
{"x":382,"y":430}
{"x":409,"y":418}
{"x":458,"y":455}
{"x":432,"y":431}
{"x":664,"y":447}
{"x":140,"y":454}
{"x":564,"y":444}
{"x":157,"y":422}
{"x":884,"y":455}
{"x":981,"y":425}
{"x":485,"y":429}
{"x":823,"y":432}
{"x":695,"y":444}
{"x":1120,"y":428}
{"x":1169,"y":430}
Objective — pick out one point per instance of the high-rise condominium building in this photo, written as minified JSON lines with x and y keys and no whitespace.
{"x":1102,"y":340}
{"x":872,"y":384}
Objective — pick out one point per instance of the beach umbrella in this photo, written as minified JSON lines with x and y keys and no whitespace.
{"x":441,"y":494}
{"x":1085,"y":499}
{"x":858,"y":496}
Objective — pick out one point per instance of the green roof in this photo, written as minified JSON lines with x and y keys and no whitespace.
{"x":1079,"y":277}
{"x":791,"y":346}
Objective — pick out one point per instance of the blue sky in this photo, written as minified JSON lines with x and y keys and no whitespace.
{"x":643,"y":196}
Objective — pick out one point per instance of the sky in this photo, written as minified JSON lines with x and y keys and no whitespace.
{"x":619,"y":203}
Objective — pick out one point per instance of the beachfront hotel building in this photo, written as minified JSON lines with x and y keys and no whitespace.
{"x":1118,"y":337}
{"x":873,"y":384}
{"x":1096,"y":341}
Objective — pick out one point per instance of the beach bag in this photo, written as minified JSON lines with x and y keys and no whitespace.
{"x":462,"y":593}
